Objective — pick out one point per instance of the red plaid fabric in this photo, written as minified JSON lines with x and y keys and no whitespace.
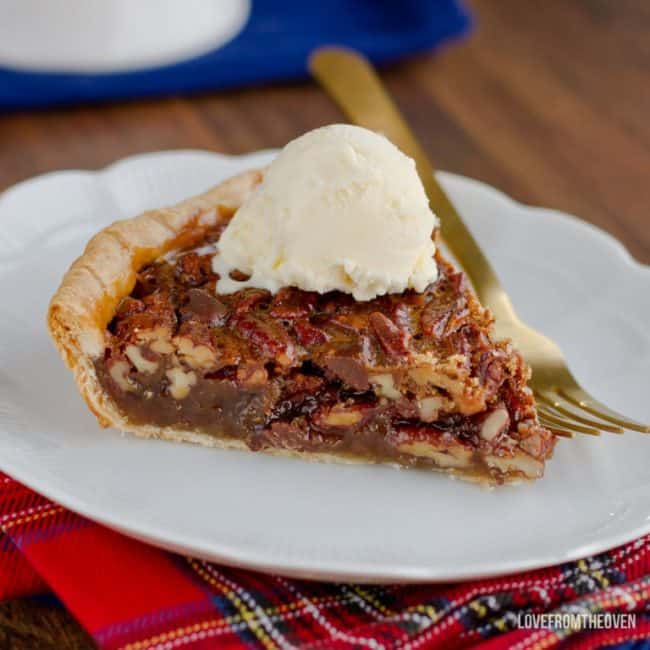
{"x":133,"y":596}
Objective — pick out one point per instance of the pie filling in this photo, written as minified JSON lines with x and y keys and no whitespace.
{"x":411,"y":379}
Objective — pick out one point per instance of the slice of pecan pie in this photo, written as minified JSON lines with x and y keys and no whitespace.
{"x":411,"y":379}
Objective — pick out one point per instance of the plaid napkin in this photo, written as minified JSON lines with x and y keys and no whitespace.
{"x":133,"y":596}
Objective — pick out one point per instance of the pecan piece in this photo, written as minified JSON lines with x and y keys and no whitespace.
{"x":491,"y":370}
{"x":384,"y":385}
{"x":518,"y":462}
{"x":195,"y":353}
{"x":307,"y":334}
{"x":406,"y":409}
{"x":129,"y":307}
{"x":193,"y":269}
{"x":157,"y":315}
{"x":441,"y":319}
{"x":290,"y":303}
{"x":252,"y":374}
{"x":535,"y":439}
{"x":159,"y":339}
{"x":298,"y":383}
{"x":342,"y":417}
{"x":494,"y":424}
{"x":426,"y":442}
{"x":273,"y":343}
{"x":118,"y":371}
{"x":247,"y":299}
{"x":447,"y":310}
{"x":446,"y":457}
{"x":141,"y":359}
{"x":393,"y":339}
{"x":180,"y":382}
{"x":429,"y":408}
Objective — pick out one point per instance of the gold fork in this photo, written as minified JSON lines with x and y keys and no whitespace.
{"x":562,"y":404}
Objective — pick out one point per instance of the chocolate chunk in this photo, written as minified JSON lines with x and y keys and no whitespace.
{"x":349,"y":370}
{"x":204,"y":307}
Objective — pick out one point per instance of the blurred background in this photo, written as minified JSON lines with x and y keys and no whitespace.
{"x":548,"y":100}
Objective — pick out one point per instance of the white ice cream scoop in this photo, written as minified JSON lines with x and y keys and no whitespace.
{"x":339,"y":208}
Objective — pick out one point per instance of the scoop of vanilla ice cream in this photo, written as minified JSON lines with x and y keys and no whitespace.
{"x":339,"y":208}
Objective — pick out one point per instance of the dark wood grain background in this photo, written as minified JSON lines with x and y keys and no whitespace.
{"x":549,"y":100}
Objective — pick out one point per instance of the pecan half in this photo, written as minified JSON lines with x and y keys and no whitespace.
{"x":393,"y":339}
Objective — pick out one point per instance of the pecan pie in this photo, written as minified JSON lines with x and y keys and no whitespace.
{"x":411,"y":379}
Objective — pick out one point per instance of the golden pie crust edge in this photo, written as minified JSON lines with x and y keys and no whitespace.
{"x":91,"y":290}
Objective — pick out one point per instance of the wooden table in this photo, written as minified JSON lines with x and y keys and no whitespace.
{"x":548,"y":101}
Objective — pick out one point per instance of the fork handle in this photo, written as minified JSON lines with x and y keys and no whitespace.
{"x":352,"y":82}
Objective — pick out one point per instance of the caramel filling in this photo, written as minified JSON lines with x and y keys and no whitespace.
{"x":412,"y":379}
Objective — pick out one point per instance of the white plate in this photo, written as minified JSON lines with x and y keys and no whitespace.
{"x":567,"y":278}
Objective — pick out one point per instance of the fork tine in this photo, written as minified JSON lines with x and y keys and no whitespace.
{"x":555,"y":430}
{"x":557,"y":406}
{"x":585,"y":401}
{"x":565,"y":424}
